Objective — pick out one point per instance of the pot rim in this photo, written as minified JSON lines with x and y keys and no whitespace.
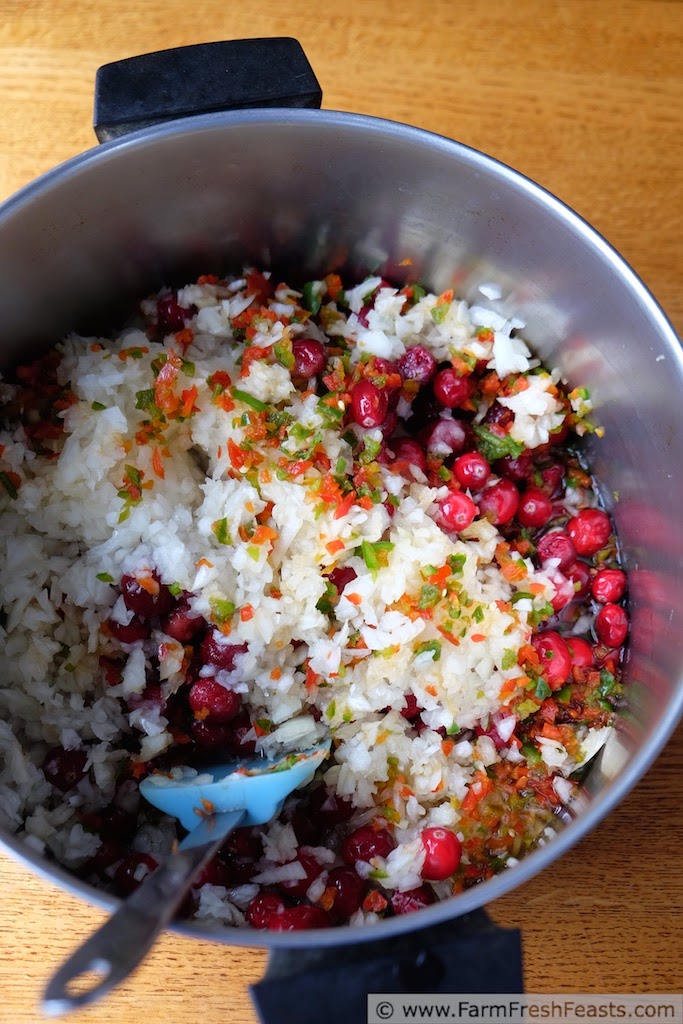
{"x":615,"y":792}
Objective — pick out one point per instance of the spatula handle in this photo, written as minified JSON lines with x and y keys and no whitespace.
{"x":118,"y":947}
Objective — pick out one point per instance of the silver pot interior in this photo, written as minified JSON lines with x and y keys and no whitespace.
{"x":309,"y":192}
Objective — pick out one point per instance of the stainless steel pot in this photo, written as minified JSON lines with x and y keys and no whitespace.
{"x":315,"y":191}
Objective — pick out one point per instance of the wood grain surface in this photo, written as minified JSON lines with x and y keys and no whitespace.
{"x":583,"y":96}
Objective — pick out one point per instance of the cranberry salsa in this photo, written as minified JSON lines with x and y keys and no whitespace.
{"x":356,"y":398}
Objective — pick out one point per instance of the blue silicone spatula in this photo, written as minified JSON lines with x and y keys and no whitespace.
{"x":209,"y":805}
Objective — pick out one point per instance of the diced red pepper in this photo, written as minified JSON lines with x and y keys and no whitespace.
{"x":259,"y":286}
{"x":236,"y":455}
{"x":480,"y":786}
{"x":188,"y":399}
{"x":251,"y":354}
{"x":330,"y":490}
{"x":334,"y":286}
{"x":374,"y":901}
{"x":441,"y":575}
{"x":345,"y":505}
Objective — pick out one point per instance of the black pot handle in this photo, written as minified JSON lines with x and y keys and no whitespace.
{"x":470,"y":954}
{"x":201,"y":79}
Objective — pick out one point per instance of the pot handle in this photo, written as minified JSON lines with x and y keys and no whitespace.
{"x":201,"y":79}
{"x":467,"y":955}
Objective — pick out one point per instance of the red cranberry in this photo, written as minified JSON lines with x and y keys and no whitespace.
{"x":417,"y":364}
{"x":609,"y":586}
{"x":363,"y":314}
{"x":369,"y":304}
{"x":312,"y":867}
{"x":141,"y":602}
{"x":412,"y":709}
{"x":136,"y":629}
{"x":535,"y":508}
{"x":181,"y":623}
{"x":499,"y":502}
{"x":171,"y":315}
{"x":580,"y":651}
{"x":294,"y":919}
{"x":342,"y":576}
{"x":564,"y":589}
{"x":132,"y":871}
{"x":456,"y":511}
{"x":176,"y":709}
{"x":263,"y":909}
{"x":237,"y":730}
{"x":307,"y":830}
{"x":238,"y":871}
{"x":369,"y":405}
{"x":215,"y":650}
{"x":555,"y":658}
{"x":245,"y":843}
{"x":365,"y":843}
{"x":389,"y":423}
{"x":447,"y":436}
{"x":309,"y":357}
{"x":108,"y":853}
{"x":425,"y":410}
{"x":589,"y":531}
{"x":329,"y":807}
{"x":580,"y":576}
{"x":385,"y":456}
{"x":516,"y":468}
{"x":207,"y":695}
{"x":451,"y":389}
{"x":552,"y":477}
{"x":372,"y":296}
{"x":64,"y":768}
{"x":414,"y":899}
{"x":558,"y":436}
{"x":499,"y":417}
{"x":91,"y":822}
{"x":493,"y":734}
{"x":443,"y":852}
{"x":216,"y":872}
{"x":471,"y":470}
{"x":350,"y":889}
{"x":212,"y":735}
{"x":151,"y":697}
{"x":405,"y":449}
{"x":556,"y":545}
{"x":611,"y":625}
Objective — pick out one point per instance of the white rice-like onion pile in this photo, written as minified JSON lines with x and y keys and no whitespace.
{"x":68,"y":535}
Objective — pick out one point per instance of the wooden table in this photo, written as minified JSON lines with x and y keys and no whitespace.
{"x":585,"y":97}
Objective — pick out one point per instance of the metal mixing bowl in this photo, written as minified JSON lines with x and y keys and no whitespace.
{"x":315,"y":191}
